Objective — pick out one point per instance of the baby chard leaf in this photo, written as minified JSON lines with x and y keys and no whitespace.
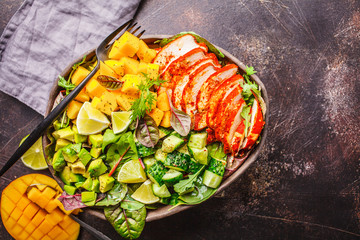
{"x":109,"y":82}
{"x":180,"y":121}
{"x":147,"y":132}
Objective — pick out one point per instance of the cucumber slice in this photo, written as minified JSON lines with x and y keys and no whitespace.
{"x":163,"y":132}
{"x":171,"y":143}
{"x":198,"y":140}
{"x":160,"y":155}
{"x":200,"y":155}
{"x":210,"y":179}
{"x":149,"y":161}
{"x":172,"y":176}
{"x":183,"y":149}
{"x":144,"y":151}
{"x":178,"y":161}
{"x":160,"y":191}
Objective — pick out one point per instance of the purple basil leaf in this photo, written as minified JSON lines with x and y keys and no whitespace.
{"x":71,"y":202}
{"x":147,"y":133}
{"x":180,"y":121}
{"x":109,"y":82}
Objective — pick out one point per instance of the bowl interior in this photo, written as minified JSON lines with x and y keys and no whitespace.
{"x":165,"y":211}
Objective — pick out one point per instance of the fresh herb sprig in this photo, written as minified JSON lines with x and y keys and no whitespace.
{"x":249,"y":87}
{"x":146,"y":100}
{"x":66,"y":84}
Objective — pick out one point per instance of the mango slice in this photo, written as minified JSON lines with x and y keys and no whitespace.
{"x":35,"y":213}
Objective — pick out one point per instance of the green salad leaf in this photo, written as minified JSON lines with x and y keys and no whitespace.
{"x":114,"y":196}
{"x":109,"y":137}
{"x":200,"y":193}
{"x":65,"y":84}
{"x":186,"y":184}
{"x":245,"y":114}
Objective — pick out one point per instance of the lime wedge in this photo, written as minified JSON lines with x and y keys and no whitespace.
{"x":145,"y":193}
{"x":90,"y":120}
{"x":132,"y":172}
{"x":120,"y":121}
{"x":34,"y":156}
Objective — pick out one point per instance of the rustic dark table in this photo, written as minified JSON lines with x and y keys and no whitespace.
{"x":306,"y":182}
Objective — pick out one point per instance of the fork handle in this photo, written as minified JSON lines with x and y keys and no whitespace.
{"x":99,"y":235}
{"x":41,"y":128}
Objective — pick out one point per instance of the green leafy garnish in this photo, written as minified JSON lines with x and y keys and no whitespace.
{"x":245,"y":114}
{"x":146,"y":100}
{"x":186,"y":184}
{"x":249,"y":87}
{"x":65,"y":84}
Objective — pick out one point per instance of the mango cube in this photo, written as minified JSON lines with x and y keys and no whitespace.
{"x":55,"y":232}
{"x":142,"y":68}
{"x":94,"y":89}
{"x":31,"y":210}
{"x":79,"y":75}
{"x":131,"y":83}
{"x":39,"y":217}
{"x":163,"y":102}
{"x":107,"y":70}
{"x":82,"y":96}
{"x":165,"y":122}
{"x":153,"y":71}
{"x":131,"y":66}
{"x":117,"y":66}
{"x":145,"y":53}
{"x":73,"y":109}
{"x":157,"y":115}
{"x":106,"y":103}
{"x":125,"y":100}
{"x":127,"y":45}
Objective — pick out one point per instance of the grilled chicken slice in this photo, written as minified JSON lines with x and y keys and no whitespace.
{"x":175,"y":49}
{"x":181,"y":81}
{"x":206,"y":90}
{"x":192,"y":88}
{"x":218,"y":94}
{"x":256,"y":126}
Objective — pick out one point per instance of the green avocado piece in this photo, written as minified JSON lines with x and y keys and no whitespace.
{"x":70,"y":153}
{"x":87,"y":184}
{"x":106,"y":182}
{"x":86,"y":174}
{"x":57,"y":125}
{"x":95,"y":186}
{"x":96,"y":168}
{"x":88,"y":198}
{"x":95,"y":152}
{"x":60,"y":143}
{"x":84,"y":156}
{"x":70,"y":189}
{"x":96,"y":140}
{"x":78,"y":138}
{"x":65,"y":133}
{"x":58,"y":162}
{"x":79,"y":184}
{"x":78,"y":167}
{"x":65,"y":175}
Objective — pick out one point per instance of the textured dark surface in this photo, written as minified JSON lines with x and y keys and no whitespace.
{"x":305,"y":184}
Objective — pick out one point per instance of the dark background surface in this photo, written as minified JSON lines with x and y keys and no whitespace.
{"x":306,"y":182}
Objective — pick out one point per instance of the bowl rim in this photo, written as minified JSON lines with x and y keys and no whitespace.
{"x":165,"y":210}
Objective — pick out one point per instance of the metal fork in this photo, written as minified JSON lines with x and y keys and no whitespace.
{"x":102,"y":55}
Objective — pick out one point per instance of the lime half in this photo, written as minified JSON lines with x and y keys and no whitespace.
{"x":145,"y":193}
{"x":132,"y":172}
{"x":120,"y":121}
{"x":34,"y":156}
{"x":90,"y":120}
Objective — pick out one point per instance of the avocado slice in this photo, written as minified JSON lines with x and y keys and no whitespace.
{"x":60,"y":143}
{"x":65,"y":133}
{"x":88,"y":198}
{"x":58,"y":161}
{"x":106,"y":182}
{"x":95,"y":186}
{"x":78,"y":167}
{"x":69,"y":153}
{"x":69,"y":177}
{"x":87,"y":184}
{"x":84,"y":156}
{"x":96,"y":168}
{"x":78,"y":138}
{"x":70,"y":189}
{"x":95,"y":152}
{"x":96,"y":140}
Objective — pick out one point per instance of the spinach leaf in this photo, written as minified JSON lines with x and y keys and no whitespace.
{"x":147,"y":132}
{"x":109,"y":137}
{"x":198,"y":38}
{"x":180,"y":121}
{"x":186,"y":184}
{"x":216,"y":150}
{"x":200,"y":193}
{"x":114,"y":196}
{"x":127,"y":222}
{"x":131,"y":204}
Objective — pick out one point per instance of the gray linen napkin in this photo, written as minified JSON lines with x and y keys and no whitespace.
{"x":44,"y":36}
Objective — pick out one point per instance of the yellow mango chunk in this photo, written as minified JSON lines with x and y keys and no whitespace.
{"x":131,"y":83}
{"x":106,"y":103}
{"x":117,"y":66}
{"x":163,"y":102}
{"x":142,"y":68}
{"x":131,"y":66}
{"x":157,"y":115}
{"x":145,"y":53}
{"x":165,"y":122}
{"x":73,"y":109}
{"x":125,"y":100}
{"x":94,"y":89}
{"x":29,"y":220}
{"x":127,"y":45}
{"x":82,"y":96}
{"x":153,"y":71}
{"x":107,"y":70}
{"x":79,"y":75}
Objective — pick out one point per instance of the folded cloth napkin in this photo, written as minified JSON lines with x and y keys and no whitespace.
{"x":44,"y":36}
